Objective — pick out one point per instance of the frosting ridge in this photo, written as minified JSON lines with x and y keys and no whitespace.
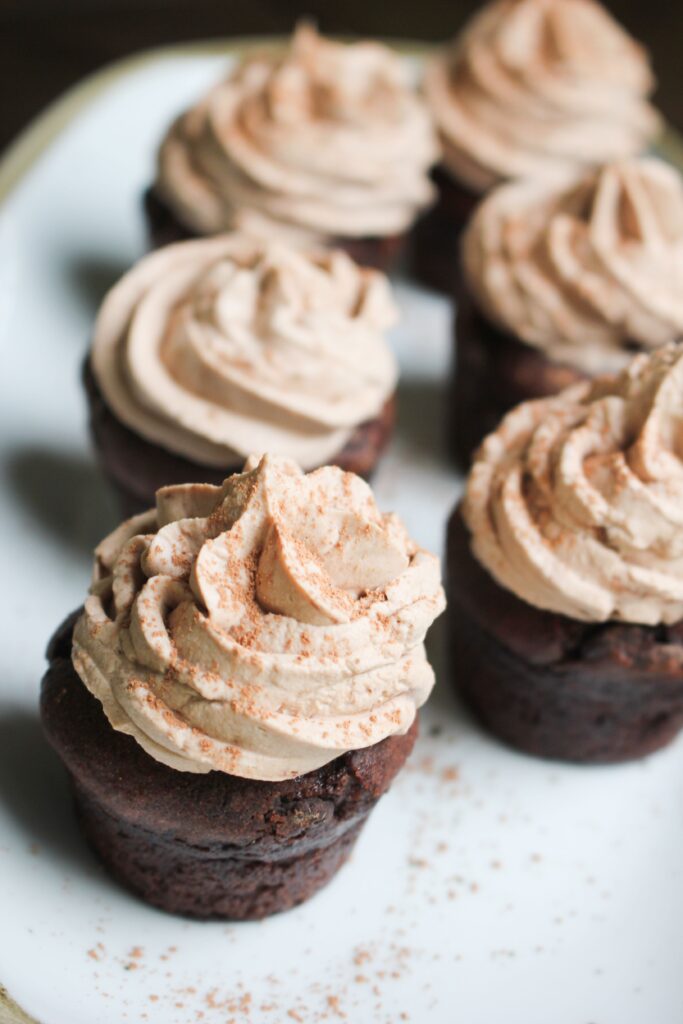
{"x":540,"y":88}
{"x":575,"y":503}
{"x":261,"y":628}
{"x":587,"y":272}
{"x":325,"y":140}
{"x":219,"y":347}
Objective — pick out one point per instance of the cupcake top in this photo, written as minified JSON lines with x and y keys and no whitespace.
{"x":262,"y":628}
{"x":219,"y":347}
{"x":575,"y":503}
{"x":325,"y":140}
{"x":540,"y":88}
{"x":588,"y":272}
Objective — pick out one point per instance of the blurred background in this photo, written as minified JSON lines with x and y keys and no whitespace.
{"x":47,"y":45}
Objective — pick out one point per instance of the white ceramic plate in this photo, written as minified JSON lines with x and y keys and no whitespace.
{"x":486,"y":887}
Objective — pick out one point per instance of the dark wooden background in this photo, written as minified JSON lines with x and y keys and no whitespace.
{"x":47,"y":45}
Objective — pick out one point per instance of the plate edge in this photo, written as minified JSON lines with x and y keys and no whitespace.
{"x":11,"y":1012}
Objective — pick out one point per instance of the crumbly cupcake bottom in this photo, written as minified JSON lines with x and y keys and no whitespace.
{"x":164,"y":227}
{"x":214,"y":845}
{"x":553,"y":686}
{"x":137,"y":468}
{"x":436,"y":236}
{"x":493,"y":373}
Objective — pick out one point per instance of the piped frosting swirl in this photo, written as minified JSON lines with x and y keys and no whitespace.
{"x":220,"y":347}
{"x":324,"y":141}
{"x":540,"y":88}
{"x":587,"y":272}
{"x":575,"y":503}
{"x":261,"y":628}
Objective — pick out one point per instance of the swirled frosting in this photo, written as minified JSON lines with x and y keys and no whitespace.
{"x":220,"y":347}
{"x":540,"y":88}
{"x":326,"y":140}
{"x":261,"y":628}
{"x":588,"y":273}
{"x":575,"y":503}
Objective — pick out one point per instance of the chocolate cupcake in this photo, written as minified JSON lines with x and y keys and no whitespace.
{"x":324,"y":144}
{"x":242,"y":686}
{"x":208,"y":350}
{"x":541,"y":89}
{"x":562,"y":284}
{"x":565,"y":566}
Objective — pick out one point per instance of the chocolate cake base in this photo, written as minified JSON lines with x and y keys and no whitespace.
{"x":494,"y":372}
{"x":213,"y":845}
{"x":164,"y":228}
{"x":137,"y":468}
{"x":553,"y":686}
{"x":437,"y":234}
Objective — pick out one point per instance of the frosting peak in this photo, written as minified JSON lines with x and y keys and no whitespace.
{"x":223,"y":346}
{"x":261,"y":628}
{"x":540,"y":88}
{"x":575,"y":503}
{"x":588,"y":271}
{"x":325,"y":140}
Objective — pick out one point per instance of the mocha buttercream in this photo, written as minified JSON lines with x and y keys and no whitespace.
{"x":540,"y":88}
{"x":219,"y":347}
{"x":575,"y":503}
{"x":261,"y":628}
{"x":324,"y":141}
{"x":587,"y":272}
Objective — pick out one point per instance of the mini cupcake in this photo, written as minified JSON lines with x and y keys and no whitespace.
{"x":566,"y":569}
{"x":208,"y":350}
{"x":539,"y":89}
{"x":324,"y":144}
{"x":562,"y":284}
{"x":242,"y":686}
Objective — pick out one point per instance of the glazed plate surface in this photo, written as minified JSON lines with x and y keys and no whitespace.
{"x":487,"y":886}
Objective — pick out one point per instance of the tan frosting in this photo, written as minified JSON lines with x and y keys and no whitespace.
{"x":588,"y":272}
{"x":261,"y":628}
{"x":325,"y":140}
{"x":224,"y":346}
{"x":575,"y":503}
{"x":540,"y":88}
